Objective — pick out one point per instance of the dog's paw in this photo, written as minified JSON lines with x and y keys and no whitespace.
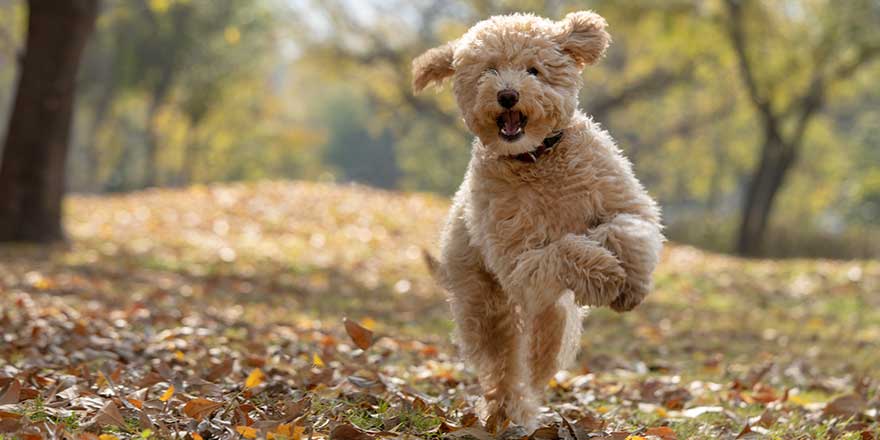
{"x":597,"y":276}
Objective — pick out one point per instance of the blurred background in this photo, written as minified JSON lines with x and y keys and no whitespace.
{"x":224,"y":182}
{"x":755,"y":123}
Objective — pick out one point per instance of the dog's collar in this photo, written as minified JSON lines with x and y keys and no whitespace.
{"x":546,"y":145}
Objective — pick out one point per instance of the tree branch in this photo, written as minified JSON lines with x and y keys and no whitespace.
{"x":656,"y":82}
{"x":736,"y":34}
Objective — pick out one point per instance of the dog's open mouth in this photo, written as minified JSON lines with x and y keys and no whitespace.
{"x":511,"y":124}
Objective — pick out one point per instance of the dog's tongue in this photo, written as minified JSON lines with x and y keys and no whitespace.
{"x":511,"y":121}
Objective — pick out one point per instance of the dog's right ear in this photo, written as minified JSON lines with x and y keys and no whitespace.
{"x":433,"y":66}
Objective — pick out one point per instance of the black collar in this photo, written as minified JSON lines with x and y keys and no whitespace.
{"x":546,"y":145}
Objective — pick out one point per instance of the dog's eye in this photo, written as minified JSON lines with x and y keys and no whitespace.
{"x":533,"y":71}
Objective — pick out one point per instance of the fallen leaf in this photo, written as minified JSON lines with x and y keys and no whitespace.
{"x":362,"y":337}
{"x":139,"y":404}
{"x":348,"y":432}
{"x":107,"y":437}
{"x":220,"y":370}
{"x":168,"y":393}
{"x":11,"y":393}
{"x":700,"y":410}
{"x":200,"y":408}
{"x":845,"y":406}
{"x":246,"y":432}
{"x":317,"y":361}
{"x":472,"y":431}
{"x":108,"y":415}
{"x":254,"y":379}
{"x":664,"y":432}
{"x":196,"y":436}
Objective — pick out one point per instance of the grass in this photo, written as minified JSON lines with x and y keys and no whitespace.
{"x":263,"y":273}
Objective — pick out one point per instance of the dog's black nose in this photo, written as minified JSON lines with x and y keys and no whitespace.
{"x":508,"y":98}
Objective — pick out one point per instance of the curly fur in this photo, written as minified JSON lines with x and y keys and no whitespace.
{"x":526,"y":244}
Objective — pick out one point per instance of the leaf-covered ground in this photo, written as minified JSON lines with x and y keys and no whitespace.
{"x":219,"y":312}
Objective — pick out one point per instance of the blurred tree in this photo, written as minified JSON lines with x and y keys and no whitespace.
{"x":32,"y":174}
{"x":790,"y":86}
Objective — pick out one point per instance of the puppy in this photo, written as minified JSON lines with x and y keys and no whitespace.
{"x":549,"y":217}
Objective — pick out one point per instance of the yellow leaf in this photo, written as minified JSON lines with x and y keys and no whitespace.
{"x":107,"y":437}
{"x":101,"y":382}
{"x":298,"y":432}
{"x":635,"y":437}
{"x":168,"y":393}
{"x":317,"y":360}
{"x":283,"y":429}
{"x":179,"y":355}
{"x":246,"y":432}
{"x":197,"y":436}
{"x":602,"y":409}
{"x":254,"y":379}
{"x":369,"y":323}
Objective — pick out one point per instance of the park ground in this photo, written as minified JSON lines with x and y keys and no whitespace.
{"x":301,"y":310}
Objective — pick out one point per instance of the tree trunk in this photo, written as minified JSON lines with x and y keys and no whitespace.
{"x":776,"y":159}
{"x":152,"y":137}
{"x":32,"y":172}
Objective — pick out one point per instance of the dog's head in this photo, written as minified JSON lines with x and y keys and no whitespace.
{"x":516,"y":77}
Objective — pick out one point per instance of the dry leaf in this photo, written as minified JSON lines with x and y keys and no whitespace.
{"x":246,"y":432}
{"x":200,"y":408}
{"x":348,"y":432}
{"x":664,"y":432}
{"x":317,"y":361}
{"x":11,"y":393}
{"x":168,"y":393}
{"x":362,"y":337}
{"x":107,"y":437}
{"x":220,"y":370}
{"x":254,"y":379}
{"x":845,"y":406}
{"x":109,"y":415}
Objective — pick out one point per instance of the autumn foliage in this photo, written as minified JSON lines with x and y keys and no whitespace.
{"x":293,"y":310}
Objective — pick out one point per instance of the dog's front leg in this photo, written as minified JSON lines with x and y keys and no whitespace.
{"x":574,"y":262}
{"x":636,"y":242}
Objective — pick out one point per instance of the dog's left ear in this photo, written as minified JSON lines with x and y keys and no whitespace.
{"x":583,"y":36}
{"x":432,"y":66}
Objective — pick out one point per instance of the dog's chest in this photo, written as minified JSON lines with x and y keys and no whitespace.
{"x":534,"y":212}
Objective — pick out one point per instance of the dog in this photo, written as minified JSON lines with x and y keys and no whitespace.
{"x":549,"y":218}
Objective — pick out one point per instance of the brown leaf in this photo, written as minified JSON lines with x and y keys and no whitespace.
{"x":218,"y":371}
{"x":591,"y":422}
{"x":545,"y":433}
{"x":28,"y":394}
{"x":362,"y":337}
{"x":108,"y":415}
{"x":9,"y":425}
{"x":471,"y":431}
{"x":348,"y":432}
{"x":11,"y":393}
{"x":200,"y":408}
{"x":845,"y":406}
{"x":664,"y":432}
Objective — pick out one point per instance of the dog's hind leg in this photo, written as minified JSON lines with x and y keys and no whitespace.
{"x":489,"y":332}
{"x":555,"y":338}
